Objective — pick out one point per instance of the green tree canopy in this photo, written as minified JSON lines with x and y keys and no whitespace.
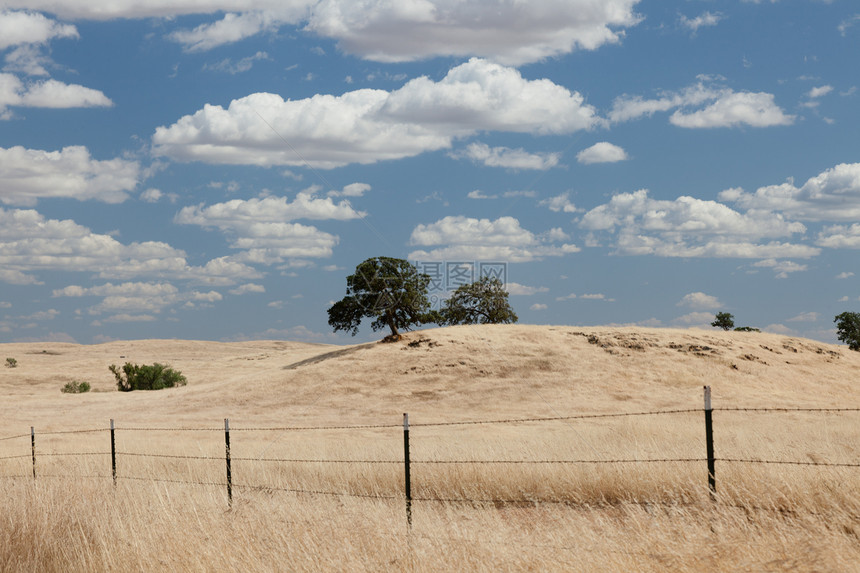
{"x":390,"y":291}
{"x":484,"y":301}
{"x":724,"y":320}
{"x":848,"y":329}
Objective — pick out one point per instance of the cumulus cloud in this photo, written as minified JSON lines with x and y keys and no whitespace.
{"x":523,"y":290}
{"x":46,"y":93}
{"x":538,"y":306}
{"x":833,"y":195}
{"x":840,"y":237}
{"x":31,"y":174}
{"x":820,"y":91}
{"x":734,"y":109}
{"x":261,"y":226}
{"x":699,"y":319}
{"x":466,"y":238}
{"x":601,"y":152}
{"x":366,"y":126}
{"x":31,"y":244}
{"x":723,"y":107}
{"x":700,"y":301}
{"x":507,"y":157}
{"x":24,"y":27}
{"x":115,"y":9}
{"x":232,"y":28}
{"x":383,"y":30}
{"x":705,"y":19}
{"x":781,"y":268}
{"x":690,"y":227}
{"x":512,"y":33}
{"x":559,"y":203}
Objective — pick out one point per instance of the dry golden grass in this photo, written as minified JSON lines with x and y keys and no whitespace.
{"x":591,"y":517}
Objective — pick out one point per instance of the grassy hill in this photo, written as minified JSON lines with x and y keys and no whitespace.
{"x":559,"y":492}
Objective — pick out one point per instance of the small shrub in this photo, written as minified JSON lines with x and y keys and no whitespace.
{"x":11,"y":363}
{"x":146,"y":377}
{"x":75,"y":387}
{"x":747,"y":329}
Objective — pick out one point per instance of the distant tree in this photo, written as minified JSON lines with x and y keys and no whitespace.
{"x":390,"y":291}
{"x":747,"y":329}
{"x":848,"y":329}
{"x":484,"y":301}
{"x":724,"y":320}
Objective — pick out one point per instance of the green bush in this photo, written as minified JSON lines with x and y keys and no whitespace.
{"x":747,"y":329}
{"x":146,"y":377}
{"x":11,"y":363}
{"x":75,"y":387}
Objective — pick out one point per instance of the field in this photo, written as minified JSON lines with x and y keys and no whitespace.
{"x":510,"y":404}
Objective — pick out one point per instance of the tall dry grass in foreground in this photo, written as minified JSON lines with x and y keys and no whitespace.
{"x":569,"y":517}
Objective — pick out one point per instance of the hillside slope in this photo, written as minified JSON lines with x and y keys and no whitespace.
{"x":455,"y":373}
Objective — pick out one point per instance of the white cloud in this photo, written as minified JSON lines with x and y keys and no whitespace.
{"x":229,"y":66}
{"x":705,"y":19}
{"x":30,"y":28}
{"x":507,"y":157}
{"x":366,"y":126}
{"x":845,"y":275}
{"x":30,"y":243}
{"x":383,"y":30}
{"x":847,"y":24}
{"x":832,"y":195}
{"x":523,"y":290}
{"x":559,"y":203}
{"x":117,"y":9}
{"x":701,"y":319}
{"x":248,"y":288}
{"x":700,"y":301}
{"x":819,"y":92}
{"x":46,"y":93}
{"x":734,"y":109}
{"x":779,"y":329}
{"x":260,"y":227}
{"x":781,"y":268}
{"x":840,"y":237}
{"x":601,"y":152}
{"x":351,"y":190}
{"x":690,"y":227}
{"x":805,"y":317}
{"x":232,"y":28}
{"x":465,"y":238}
{"x":270,"y":209}
{"x":31,"y":174}
{"x":513,"y":33}
{"x":478,"y":194}
{"x":151,"y":195}
{"x":725,"y":107}
{"x":538,"y":306}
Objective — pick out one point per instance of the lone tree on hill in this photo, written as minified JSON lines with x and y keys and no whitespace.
{"x":848,"y":329}
{"x":390,"y":291}
{"x":724,"y":320}
{"x":484,"y":301}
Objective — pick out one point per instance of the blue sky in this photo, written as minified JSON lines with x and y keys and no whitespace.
{"x":213,"y":169}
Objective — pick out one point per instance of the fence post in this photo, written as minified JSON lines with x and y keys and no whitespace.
{"x":709,"y":441}
{"x":113,"y":451}
{"x":408,"y":484}
{"x":33,"y":448}
{"x":229,"y":470}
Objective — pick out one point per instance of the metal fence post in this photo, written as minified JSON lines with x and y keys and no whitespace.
{"x":229,"y":469}
{"x":408,"y":484}
{"x":709,"y":444}
{"x":113,"y":451}
{"x":33,"y":448}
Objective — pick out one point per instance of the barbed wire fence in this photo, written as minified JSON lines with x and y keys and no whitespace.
{"x":709,"y":459}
